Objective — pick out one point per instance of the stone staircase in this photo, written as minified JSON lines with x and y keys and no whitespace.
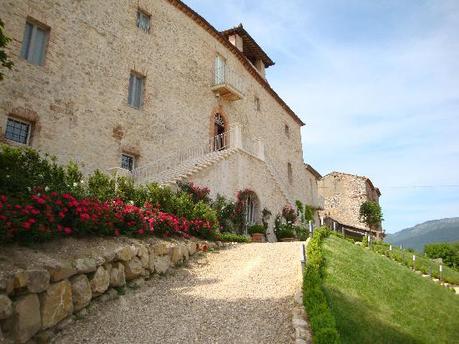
{"x":190,"y":167}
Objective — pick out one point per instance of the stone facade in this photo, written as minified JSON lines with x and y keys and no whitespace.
{"x":80,"y":94}
{"x":343,"y":195}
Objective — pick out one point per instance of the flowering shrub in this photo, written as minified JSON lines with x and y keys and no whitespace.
{"x":44,"y":216}
{"x":41,"y":200}
{"x":198,"y":193}
{"x":289,"y":214}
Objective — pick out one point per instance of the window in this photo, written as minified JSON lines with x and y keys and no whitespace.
{"x":34,"y":43}
{"x":136,"y":88}
{"x":289,"y":173}
{"x":220,"y":66}
{"x":143,"y":21}
{"x":127,"y":162}
{"x":287,"y":130}
{"x":257,"y":104}
{"x":17,"y":131}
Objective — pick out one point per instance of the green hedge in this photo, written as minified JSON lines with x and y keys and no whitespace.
{"x":232,"y":237}
{"x":321,"y":319}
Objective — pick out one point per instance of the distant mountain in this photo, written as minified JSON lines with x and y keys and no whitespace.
{"x":444,"y":230}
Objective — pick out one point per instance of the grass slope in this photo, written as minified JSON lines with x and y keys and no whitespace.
{"x":375,"y":300}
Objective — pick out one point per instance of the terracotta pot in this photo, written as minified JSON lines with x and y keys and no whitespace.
{"x":258,"y":237}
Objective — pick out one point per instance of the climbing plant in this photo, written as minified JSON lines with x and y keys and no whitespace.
{"x":4,"y":59}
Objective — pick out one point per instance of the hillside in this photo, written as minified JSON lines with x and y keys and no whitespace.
{"x":375,"y":300}
{"x":444,"y":230}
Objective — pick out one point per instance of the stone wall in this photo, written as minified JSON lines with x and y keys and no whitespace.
{"x":41,"y":291}
{"x":343,"y":195}
{"x":79,"y":95}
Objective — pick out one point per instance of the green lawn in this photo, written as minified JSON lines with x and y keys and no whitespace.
{"x":375,"y":300}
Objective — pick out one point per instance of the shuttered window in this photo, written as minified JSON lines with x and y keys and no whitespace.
{"x":34,"y":43}
{"x":143,"y":21}
{"x":136,"y":89}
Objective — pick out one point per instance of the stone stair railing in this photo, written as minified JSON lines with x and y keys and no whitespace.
{"x":278,"y":178}
{"x":151,"y":171}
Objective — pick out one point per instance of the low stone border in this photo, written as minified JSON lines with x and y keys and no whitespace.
{"x":37,"y":303}
{"x":303,"y":334}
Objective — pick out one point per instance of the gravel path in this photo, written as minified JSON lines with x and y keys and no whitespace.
{"x":240,"y":295}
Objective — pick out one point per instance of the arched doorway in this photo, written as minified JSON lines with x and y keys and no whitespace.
{"x":219,"y":139}
{"x":250,"y":205}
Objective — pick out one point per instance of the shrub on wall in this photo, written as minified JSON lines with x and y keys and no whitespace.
{"x":22,"y":170}
{"x":321,"y":319}
{"x":198,"y":193}
{"x":40,"y":200}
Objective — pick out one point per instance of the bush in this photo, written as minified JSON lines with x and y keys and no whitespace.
{"x":23,"y":171}
{"x":448,"y":252}
{"x":302,"y":232}
{"x":40,"y":200}
{"x":284,"y":231}
{"x":198,"y":193}
{"x":322,"y":322}
{"x":225,"y":210}
{"x":231,"y":237}
{"x":256,"y":229}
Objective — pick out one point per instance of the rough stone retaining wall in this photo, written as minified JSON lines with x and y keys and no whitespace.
{"x":36,"y":302}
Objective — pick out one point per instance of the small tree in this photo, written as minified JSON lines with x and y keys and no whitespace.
{"x":4,"y":60}
{"x":371,"y":214}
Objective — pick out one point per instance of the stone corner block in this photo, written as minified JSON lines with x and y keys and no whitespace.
{"x":27,"y":320}
{"x":133,"y":268}
{"x":37,"y":280}
{"x":61,"y":271}
{"x":100,"y":281}
{"x":117,"y":275}
{"x":56,"y":303}
{"x":85,"y":265}
{"x":6,"y":307}
{"x":124,"y":254}
{"x":81,"y":292}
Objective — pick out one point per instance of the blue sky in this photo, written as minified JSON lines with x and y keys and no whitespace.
{"x":377,"y":84}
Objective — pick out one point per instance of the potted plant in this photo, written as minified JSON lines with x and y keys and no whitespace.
{"x":257,"y":232}
{"x":285,"y":232}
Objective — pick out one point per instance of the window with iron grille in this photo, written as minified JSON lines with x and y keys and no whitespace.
{"x":143,"y":21}
{"x":136,"y":89}
{"x":127,"y":162}
{"x":34,"y":43}
{"x":17,"y":131}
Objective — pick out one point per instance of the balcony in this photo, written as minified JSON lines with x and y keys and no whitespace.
{"x":227,"y":83}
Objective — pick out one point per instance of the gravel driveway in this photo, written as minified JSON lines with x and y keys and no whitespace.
{"x":239,"y":295}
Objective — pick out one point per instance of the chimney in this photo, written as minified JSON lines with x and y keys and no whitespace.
{"x":236,"y":40}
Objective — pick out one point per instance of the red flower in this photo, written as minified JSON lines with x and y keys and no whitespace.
{"x":85,"y":217}
{"x":67,"y":230}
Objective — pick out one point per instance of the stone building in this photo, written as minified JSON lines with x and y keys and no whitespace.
{"x":150,"y":89}
{"x":343,"y":195}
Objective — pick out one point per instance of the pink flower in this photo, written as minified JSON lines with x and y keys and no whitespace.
{"x":67,"y":230}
